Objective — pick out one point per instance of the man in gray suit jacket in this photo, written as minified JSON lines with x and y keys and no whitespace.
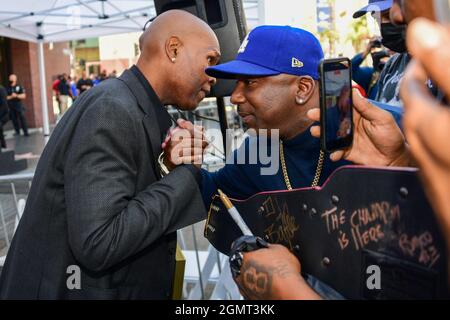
{"x":100,"y":223}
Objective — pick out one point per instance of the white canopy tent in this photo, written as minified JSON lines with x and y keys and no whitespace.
{"x":44,"y":21}
{"x":62,"y":20}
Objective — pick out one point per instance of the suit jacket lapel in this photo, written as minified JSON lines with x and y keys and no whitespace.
{"x":150,"y":121}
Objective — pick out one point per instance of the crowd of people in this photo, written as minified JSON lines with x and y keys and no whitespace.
{"x":66,"y":86}
{"x":115,"y":181}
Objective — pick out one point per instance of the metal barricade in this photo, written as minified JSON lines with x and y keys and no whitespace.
{"x":14,"y":190}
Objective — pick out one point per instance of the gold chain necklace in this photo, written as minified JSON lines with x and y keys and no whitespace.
{"x":316,"y":179}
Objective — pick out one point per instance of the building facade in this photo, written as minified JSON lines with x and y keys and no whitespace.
{"x":21,"y":58}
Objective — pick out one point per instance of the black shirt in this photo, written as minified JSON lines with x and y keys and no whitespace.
{"x":15,"y":103}
{"x":63,"y":88}
{"x":162,"y":115}
{"x":389,"y":84}
{"x":84,"y":82}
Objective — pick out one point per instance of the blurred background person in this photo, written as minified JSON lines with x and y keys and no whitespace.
{"x":64,"y":93}
{"x":113,"y":74}
{"x":103,"y":76}
{"x":393,"y":38}
{"x":55,"y":87}
{"x":368,"y":77}
{"x":73,"y":87}
{"x":16,"y":93}
{"x":94,"y":79}
{"x":84,"y":83}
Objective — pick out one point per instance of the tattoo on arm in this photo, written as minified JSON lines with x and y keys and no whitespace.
{"x":257,"y":280}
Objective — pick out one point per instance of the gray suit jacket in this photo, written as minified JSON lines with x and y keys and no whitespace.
{"x":97,"y":204}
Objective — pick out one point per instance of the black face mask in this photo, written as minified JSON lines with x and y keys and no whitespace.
{"x":394,"y":37}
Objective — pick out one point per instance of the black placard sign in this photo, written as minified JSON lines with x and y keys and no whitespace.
{"x":360,"y":217}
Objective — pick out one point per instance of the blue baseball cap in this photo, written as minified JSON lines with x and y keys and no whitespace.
{"x":272,"y":50}
{"x":373,"y":6}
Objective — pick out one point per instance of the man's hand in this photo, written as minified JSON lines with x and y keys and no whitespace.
{"x":377,"y":140}
{"x":426,"y":121}
{"x":184,"y":145}
{"x":273,"y":273}
{"x":370,"y":46}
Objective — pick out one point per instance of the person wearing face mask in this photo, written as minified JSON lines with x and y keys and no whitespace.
{"x":393,"y":17}
{"x":393,"y":38}
{"x":402,"y":13}
{"x":368,"y":77}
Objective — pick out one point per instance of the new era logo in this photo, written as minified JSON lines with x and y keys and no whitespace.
{"x":296,"y":63}
{"x":243,"y":45}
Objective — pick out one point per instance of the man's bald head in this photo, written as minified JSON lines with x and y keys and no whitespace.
{"x":172,"y":23}
{"x":175,"y":51}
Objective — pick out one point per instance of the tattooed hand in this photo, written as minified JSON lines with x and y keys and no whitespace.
{"x":273,"y":274}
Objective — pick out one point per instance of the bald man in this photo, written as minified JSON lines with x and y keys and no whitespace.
{"x":100,"y":222}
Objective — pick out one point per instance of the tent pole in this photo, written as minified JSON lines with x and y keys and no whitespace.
{"x":43,"y":85}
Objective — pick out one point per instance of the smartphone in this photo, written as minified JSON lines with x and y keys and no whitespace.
{"x":376,"y":43}
{"x":442,"y":11}
{"x":336,"y":104}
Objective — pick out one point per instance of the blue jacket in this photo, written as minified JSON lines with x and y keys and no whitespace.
{"x":242,"y":180}
{"x":363,"y":76}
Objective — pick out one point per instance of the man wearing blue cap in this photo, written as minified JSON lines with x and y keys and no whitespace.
{"x":277,"y":87}
{"x":277,"y":83}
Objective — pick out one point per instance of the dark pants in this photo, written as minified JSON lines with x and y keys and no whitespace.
{"x":18,"y":120}
{"x":2,"y":137}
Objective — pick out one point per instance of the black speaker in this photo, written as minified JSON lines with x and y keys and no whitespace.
{"x":226,"y":18}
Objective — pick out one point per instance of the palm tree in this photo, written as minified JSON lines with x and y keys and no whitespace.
{"x":359,"y":34}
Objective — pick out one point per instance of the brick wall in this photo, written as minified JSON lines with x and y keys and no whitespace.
{"x":24,"y":63}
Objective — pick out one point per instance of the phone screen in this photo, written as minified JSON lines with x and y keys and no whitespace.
{"x":336,"y":104}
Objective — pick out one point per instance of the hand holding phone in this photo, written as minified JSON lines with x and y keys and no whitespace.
{"x":336,"y":105}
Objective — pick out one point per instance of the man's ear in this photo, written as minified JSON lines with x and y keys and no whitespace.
{"x":173,"y":47}
{"x":305,"y":89}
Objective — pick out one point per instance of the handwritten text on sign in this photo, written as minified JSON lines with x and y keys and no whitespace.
{"x":366,"y":224}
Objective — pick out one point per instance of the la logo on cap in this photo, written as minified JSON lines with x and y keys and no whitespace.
{"x":296,"y":63}
{"x":244,"y":44}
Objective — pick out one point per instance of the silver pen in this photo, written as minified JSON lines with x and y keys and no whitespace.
{"x":235,"y":214}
